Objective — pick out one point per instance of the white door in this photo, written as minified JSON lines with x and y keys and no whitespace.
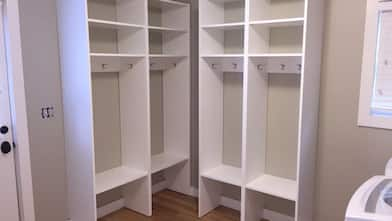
{"x":8,"y":188}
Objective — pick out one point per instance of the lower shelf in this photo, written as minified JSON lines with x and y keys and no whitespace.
{"x":116,"y":177}
{"x":163,"y":161}
{"x":226,"y":174}
{"x":275,"y":186}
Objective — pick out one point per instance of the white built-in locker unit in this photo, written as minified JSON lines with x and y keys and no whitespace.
{"x":126,"y":94}
{"x":259,"y":73}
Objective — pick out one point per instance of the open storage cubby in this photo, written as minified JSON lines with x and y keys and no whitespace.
{"x":126,"y":102}
{"x":131,"y":12}
{"x":277,"y":38}
{"x":261,"y":10}
{"x":170,"y":126}
{"x":222,"y":41}
{"x":272,"y":138}
{"x":221,"y":123}
{"x":222,"y":12}
{"x":275,"y":50}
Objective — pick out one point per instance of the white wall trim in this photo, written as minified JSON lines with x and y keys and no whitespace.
{"x":110,"y":208}
{"x":159,"y":186}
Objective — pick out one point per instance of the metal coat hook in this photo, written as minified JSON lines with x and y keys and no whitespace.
{"x":213,"y":66}
{"x":104,"y":66}
{"x":260,"y":67}
{"x":235,"y":65}
{"x":386,"y":62}
{"x":152,"y":64}
{"x":130,"y":66}
{"x":175,"y":64}
{"x":299,"y":67}
{"x":282,"y":67}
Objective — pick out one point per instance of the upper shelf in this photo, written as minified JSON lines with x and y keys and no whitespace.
{"x":166,"y":29}
{"x":275,"y":186}
{"x":225,"y":26}
{"x":167,"y":4}
{"x":112,"y":24}
{"x":280,"y":22}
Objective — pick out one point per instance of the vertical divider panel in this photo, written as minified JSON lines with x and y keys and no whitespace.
{"x":309,"y":108}
{"x":77,"y":102}
{"x":245,"y":109}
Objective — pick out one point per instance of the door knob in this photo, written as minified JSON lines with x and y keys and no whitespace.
{"x":4,"y":130}
{"x":5,"y":147}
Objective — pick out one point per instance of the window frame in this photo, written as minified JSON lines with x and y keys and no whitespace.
{"x":365,"y":116}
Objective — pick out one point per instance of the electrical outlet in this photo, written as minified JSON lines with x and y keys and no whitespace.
{"x":47,"y":112}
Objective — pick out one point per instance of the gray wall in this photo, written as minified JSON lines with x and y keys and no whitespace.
{"x":347,"y":154}
{"x":43,"y":88}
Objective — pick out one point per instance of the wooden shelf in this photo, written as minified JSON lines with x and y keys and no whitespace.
{"x":165,"y":29}
{"x":112,"y":24}
{"x":225,"y":174}
{"x":163,"y":161}
{"x":280,"y":22}
{"x":275,"y":186}
{"x":116,"y":177}
{"x":225,"y":26}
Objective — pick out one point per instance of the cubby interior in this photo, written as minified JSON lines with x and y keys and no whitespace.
{"x":221,"y":41}
{"x":276,"y":9}
{"x":224,"y":101}
{"x":222,"y":11}
{"x":272,"y":150}
{"x":264,"y":39}
{"x":169,"y":117}
{"x":167,"y":14}
{"x":107,"y":126}
{"x":167,"y":42}
{"x":124,"y":11}
{"x":259,"y":206}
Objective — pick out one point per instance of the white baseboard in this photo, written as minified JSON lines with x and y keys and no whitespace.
{"x":274,"y":216}
{"x":159,"y":186}
{"x":225,"y":201}
{"x":230,"y":203}
{"x":110,"y":208}
{"x":266,"y":214}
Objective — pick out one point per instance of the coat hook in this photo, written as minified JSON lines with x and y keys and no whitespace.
{"x":104,"y":66}
{"x":282,"y":67}
{"x":213,"y":66}
{"x":175,"y":64}
{"x":130,"y":66}
{"x":386,"y":62}
{"x":299,"y":67}
{"x":152,"y":64}
{"x":235,"y":66}
{"x":260,"y":67}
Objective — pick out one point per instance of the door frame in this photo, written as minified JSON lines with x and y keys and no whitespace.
{"x":19,"y":110}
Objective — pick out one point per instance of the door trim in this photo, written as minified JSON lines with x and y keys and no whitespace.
{"x":19,"y":111}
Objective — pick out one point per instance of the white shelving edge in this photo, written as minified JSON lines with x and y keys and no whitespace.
{"x":168,"y":29}
{"x":275,"y":55}
{"x":280,"y":22}
{"x":163,"y":161}
{"x":225,"y":26}
{"x":120,"y":55}
{"x":275,"y":186}
{"x":116,"y":177}
{"x":113,"y":24}
{"x":226,"y":174}
{"x":168,"y":3}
